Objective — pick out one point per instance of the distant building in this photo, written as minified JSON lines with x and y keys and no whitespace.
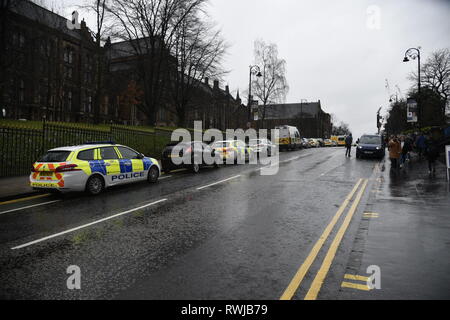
{"x":216,"y":107}
{"x":47,"y":69}
{"x":308,"y":117}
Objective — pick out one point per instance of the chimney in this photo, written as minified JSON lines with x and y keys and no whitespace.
{"x":207,"y":81}
{"x":216,"y":84}
{"x":227,"y":89}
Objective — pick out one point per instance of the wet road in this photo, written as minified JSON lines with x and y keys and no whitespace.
{"x":227,"y":233}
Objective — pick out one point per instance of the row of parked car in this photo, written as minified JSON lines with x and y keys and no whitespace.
{"x":219,"y":152}
{"x":94,"y":166}
{"x":229,"y":151}
{"x":318,"y":143}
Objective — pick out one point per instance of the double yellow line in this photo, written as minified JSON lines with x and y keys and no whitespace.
{"x":326,"y":264}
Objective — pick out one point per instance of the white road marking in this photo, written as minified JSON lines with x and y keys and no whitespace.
{"x":27,"y":207}
{"x":292,"y":159}
{"x":218,"y":182}
{"x":86,"y":225}
{"x":165,"y":177}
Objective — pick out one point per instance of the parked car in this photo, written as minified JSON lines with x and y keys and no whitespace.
{"x":328,"y":143}
{"x":262,"y":146}
{"x":195,"y":151}
{"x":232,"y":149}
{"x":313,"y":143}
{"x":289,"y":138}
{"x":321,"y":142}
{"x":305,"y":143}
{"x":371,"y":146}
{"x":92,"y":167}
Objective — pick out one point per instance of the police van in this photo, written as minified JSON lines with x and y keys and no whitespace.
{"x":289,"y":138}
{"x":92,"y":168}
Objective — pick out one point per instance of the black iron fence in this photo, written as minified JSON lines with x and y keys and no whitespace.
{"x":20,"y":147}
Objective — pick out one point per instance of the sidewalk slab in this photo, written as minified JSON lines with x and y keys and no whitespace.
{"x":15,"y":187}
{"x":407,"y":236}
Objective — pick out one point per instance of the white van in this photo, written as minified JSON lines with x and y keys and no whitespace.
{"x":289,"y":138}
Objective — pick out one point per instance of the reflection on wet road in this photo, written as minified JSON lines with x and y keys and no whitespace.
{"x":225,"y":233}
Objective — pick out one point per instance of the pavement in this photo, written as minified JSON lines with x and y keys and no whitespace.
{"x":15,"y":187}
{"x":231,"y":233}
{"x":405,"y":234}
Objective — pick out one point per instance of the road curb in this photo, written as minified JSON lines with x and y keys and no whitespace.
{"x":19,"y":196}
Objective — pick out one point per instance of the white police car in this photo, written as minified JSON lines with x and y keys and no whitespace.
{"x":92,"y":168}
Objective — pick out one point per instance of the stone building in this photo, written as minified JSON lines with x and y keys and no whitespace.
{"x":47,"y":69}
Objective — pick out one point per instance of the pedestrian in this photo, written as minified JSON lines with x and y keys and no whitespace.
{"x":420,"y":145}
{"x":431,"y":153}
{"x":395,"y":149}
{"x":348,"y":145}
{"x":406,"y":149}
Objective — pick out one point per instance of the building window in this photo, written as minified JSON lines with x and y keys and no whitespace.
{"x":68,"y":55}
{"x":87,"y":77}
{"x":68,"y":72}
{"x":21,"y":91}
{"x":18,"y":39}
{"x":69,"y":101}
{"x":88,"y":105}
{"x":21,"y":40}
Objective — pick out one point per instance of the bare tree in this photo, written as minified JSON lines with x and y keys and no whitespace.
{"x":198,"y":50}
{"x":436,"y":74}
{"x":99,"y":7}
{"x":340,"y":130}
{"x":272,"y":87}
{"x":150,"y":28}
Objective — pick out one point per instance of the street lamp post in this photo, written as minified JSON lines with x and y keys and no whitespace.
{"x":379,"y":119}
{"x":414,"y":53}
{"x":301,"y":111}
{"x":254,"y":70}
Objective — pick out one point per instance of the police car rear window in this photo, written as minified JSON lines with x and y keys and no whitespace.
{"x":55,"y":156}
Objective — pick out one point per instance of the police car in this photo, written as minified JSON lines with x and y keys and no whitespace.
{"x":92,"y":168}
{"x":233,"y":149}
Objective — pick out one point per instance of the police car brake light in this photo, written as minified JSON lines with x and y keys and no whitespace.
{"x":67,"y":167}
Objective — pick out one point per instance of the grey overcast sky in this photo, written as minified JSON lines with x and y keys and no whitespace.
{"x":336,"y":50}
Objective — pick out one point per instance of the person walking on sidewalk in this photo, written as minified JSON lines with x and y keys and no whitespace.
{"x":407,"y":148}
{"x":420,"y":145}
{"x":395,"y":148}
{"x":348,"y":145}
{"x":431,"y":153}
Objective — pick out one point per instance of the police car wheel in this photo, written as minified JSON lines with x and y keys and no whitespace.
{"x":153,"y":175}
{"x":95,"y":185}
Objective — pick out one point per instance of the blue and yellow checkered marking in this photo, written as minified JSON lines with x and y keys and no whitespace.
{"x":126,"y":166}
{"x":98,"y":166}
{"x":147,"y":163}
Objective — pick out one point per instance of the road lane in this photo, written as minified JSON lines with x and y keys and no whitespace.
{"x":220,"y":242}
{"x":36,"y":221}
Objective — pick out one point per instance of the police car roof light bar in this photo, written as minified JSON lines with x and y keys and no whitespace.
{"x":100,"y":142}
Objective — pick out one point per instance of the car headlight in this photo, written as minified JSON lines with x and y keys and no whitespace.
{"x":378,"y":148}
{"x":359,"y":147}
